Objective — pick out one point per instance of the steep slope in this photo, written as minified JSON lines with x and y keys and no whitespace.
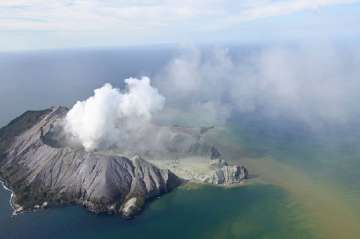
{"x":41,"y":174}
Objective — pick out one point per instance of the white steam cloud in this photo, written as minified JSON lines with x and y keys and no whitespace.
{"x":313,"y":85}
{"x":111,"y":116}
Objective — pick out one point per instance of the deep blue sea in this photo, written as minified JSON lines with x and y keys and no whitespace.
{"x":304,"y":182}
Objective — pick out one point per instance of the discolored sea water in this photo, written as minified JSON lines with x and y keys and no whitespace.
{"x":299,"y":189}
{"x":304,"y":182}
{"x":254,"y":211}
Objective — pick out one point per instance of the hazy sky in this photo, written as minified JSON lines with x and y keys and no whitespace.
{"x":39,"y":24}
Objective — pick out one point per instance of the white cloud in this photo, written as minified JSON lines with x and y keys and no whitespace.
{"x":48,"y":24}
{"x":269,"y":8}
{"x":127,"y":16}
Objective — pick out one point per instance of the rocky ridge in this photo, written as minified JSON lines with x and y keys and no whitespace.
{"x":41,"y":173}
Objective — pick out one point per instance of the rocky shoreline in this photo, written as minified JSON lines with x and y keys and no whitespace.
{"x":11,"y":196}
{"x":41,"y":174}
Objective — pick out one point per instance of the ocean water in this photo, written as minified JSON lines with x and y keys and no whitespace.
{"x":284,"y":199}
{"x":254,"y":211}
{"x":304,"y":183}
{"x":317,"y":168}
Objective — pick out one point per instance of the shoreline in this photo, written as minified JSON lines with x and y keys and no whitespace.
{"x":15,"y":211}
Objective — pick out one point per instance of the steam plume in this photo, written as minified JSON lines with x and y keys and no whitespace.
{"x":316,"y":85}
{"x":111,"y":116}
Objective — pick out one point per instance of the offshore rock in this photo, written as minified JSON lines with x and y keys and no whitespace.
{"x":132,"y":207}
{"x":227,"y":175}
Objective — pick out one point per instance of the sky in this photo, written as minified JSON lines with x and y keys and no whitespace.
{"x":54,"y":24}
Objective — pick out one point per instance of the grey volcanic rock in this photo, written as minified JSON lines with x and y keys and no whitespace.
{"x":215,"y":154}
{"x":156,"y":142}
{"x":132,"y":206}
{"x":41,"y":173}
{"x":227,"y":175}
